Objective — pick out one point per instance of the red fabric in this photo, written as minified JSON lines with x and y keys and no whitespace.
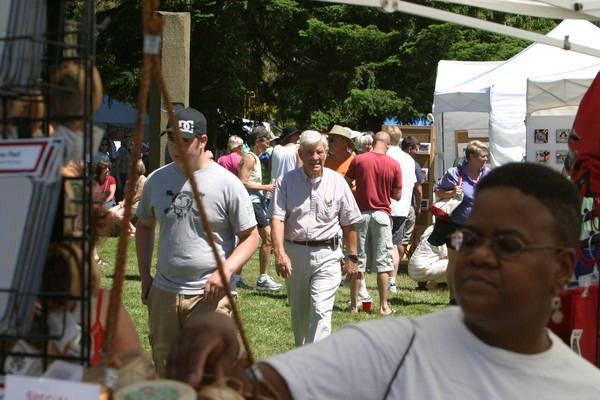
{"x":103,"y":187}
{"x":97,"y":333}
{"x":584,"y":141}
{"x":375,"y":175}
{"x":580,"y":313}
{"x":439,"y":213}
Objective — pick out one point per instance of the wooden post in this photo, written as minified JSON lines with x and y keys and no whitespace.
{"x":175,"y":64}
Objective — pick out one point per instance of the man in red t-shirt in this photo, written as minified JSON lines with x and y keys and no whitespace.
{"x":375,"y":178}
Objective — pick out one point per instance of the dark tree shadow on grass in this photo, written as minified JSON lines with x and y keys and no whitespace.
{"x":129,"y":277}
{"x":278,"y":295}
{"x":400,"y":302}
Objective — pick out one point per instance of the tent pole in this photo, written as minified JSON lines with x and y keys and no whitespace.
{"x":446,"y":16}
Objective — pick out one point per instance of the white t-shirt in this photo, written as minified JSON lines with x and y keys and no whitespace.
{"x":283,"y":160}
{"x":446,"y":361}
{"x":407,"y":166}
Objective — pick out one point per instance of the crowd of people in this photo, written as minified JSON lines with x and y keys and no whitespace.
{"x":330,"y":207}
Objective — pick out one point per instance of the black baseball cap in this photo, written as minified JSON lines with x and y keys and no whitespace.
{"x":191,"y":123}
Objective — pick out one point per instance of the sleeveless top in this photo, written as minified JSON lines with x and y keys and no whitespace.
{"x":256,"y":196}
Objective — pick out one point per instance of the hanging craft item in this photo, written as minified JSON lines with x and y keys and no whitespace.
{"x":152,"y":29}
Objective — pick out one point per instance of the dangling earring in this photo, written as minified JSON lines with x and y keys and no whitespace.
{"x":557,"y":315}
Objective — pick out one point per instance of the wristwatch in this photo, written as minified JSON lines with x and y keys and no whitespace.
{"x":353,"y":257}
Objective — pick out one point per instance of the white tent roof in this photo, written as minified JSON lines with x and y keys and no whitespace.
{"x":559,"y":94}
{"x":510,"y":77}
{"x":451,"y":74}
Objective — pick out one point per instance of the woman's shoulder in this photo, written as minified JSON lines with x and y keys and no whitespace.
{"x":452,"y":173}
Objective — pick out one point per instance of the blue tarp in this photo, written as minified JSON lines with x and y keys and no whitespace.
{"x":113,"y":112}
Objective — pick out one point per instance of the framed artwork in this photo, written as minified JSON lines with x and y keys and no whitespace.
{"x":424,"y":148}
{"x":541,"y":136}
{"x":561,"y":155}
{"x":424,"y":204}
{"x":542,"y":157}
{"x":425,"y":172}
{"x":562,"y":135}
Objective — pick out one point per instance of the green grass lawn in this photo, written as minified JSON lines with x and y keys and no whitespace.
{"x":266,"y":315}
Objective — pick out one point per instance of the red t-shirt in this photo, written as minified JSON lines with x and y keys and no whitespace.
{"x":375,"y":176}
{"x":103,"y":188}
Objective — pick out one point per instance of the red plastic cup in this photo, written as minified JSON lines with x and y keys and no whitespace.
{"x":366,"y":305}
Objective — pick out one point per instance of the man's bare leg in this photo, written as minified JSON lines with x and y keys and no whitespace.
{"x":354,"y":285}
{"x":382,"y":287}
{"x":265,"y":249}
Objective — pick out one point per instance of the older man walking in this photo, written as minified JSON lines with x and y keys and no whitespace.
{"x":309,"y":206}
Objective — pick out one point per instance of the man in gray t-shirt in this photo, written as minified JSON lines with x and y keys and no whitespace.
{"x":186,"y":282}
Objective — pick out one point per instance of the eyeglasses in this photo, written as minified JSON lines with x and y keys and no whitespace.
{"x":103,"y":144}
{"x":505,"y":246}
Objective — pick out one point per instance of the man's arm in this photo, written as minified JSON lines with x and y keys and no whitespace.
{"x":283,"y":265}
{"x":351,"y":266}
{"x":210,"y":343}
{"x":418,"y":192}
{"x":144,"y":246}
{"x":247,"y":244}
{"x":396,"y":193}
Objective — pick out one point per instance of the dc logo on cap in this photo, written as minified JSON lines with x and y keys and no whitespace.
{"x":186,"y":126}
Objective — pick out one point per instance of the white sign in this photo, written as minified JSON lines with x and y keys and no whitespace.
{"x":20,"y":157}
{"x":29,"y":388}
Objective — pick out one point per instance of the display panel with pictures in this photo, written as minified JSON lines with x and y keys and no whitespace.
{"x":547,"y":140}
{"x":424,"y":148}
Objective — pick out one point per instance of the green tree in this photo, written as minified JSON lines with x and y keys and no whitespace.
{"x":310,"y":63}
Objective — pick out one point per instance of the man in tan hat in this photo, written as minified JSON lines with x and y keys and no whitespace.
{"x":341,"y":147}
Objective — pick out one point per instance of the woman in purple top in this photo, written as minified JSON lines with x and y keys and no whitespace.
{"x":471,"y":172}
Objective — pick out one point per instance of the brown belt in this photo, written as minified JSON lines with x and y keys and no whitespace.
{"x":312,"y":243}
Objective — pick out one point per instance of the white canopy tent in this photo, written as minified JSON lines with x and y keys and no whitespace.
{"x":552,"y":103}
{"x":559,"y":94}
{"x":499,"y":95}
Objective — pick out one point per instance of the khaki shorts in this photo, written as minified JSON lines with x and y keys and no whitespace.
{"x":375,"y":228}
{"x":168,"y":313}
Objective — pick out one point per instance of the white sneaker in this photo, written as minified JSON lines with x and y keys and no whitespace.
{"x":392,"y":288}
{"x":361,"y":298}
{"x":267,"y":284}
